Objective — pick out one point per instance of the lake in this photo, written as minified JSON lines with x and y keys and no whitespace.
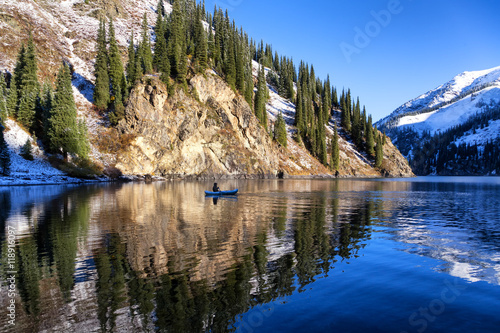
{"x":380,"y":255}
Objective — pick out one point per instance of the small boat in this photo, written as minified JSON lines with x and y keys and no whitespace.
{"x":232,"y":192}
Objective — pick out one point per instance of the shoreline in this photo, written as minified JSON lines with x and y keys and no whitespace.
{"x":11,"y":181}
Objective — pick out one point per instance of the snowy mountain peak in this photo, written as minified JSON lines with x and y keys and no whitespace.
{"x":462,"y":85}
{"x":451,"y":129}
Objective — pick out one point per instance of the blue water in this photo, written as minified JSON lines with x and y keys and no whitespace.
{"x":399,"y":255}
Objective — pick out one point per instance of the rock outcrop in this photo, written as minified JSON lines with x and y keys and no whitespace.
{"x":208,"y":131}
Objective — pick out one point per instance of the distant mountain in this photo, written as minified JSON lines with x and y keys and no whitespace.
{"x":452,"y":129}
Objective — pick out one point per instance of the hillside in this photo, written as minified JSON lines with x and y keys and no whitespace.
{"x":67,"y":29}
{"x":453,"y":128}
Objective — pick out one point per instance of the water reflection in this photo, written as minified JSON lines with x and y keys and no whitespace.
{"x":462,"y":225}
{"x":162,"y":257}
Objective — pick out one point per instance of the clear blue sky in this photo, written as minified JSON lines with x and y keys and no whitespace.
{"x":421,"y":45}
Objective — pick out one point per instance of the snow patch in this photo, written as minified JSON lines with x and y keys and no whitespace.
{"x":451,"y":115}
{"x":25,"y":172}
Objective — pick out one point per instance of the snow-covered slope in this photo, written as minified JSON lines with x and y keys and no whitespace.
{"x":474,"y":85}
{"x":453,"y":114}
{"x":449,"y":104}
{"x":464,"y":112}
{"x":25,"y":172}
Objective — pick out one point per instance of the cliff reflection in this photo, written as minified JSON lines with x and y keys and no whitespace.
{"x":161,"y":257}
{"x":185,"y":273}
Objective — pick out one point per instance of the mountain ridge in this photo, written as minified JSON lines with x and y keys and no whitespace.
{"x":461,"y":114}
{"x":462,"y":84}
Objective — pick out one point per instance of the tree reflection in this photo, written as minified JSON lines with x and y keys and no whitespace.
{"x":48,"y":250}
{"x":177,"y":302}
{"x":355,"y":229}
{"x":285,"y":250}
{"x":29,"y":275}
{"x":111,"y":293}
{"x":66,"y":226}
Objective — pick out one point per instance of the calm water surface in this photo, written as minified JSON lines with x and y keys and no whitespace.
{"x":411,"y":255}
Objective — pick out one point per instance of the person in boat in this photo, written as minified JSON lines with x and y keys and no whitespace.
{"x":215,"y":188}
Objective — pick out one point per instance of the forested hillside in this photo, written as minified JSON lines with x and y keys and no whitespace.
{"x":182,"y":42}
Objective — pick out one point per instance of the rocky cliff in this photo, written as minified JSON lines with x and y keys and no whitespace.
{"x":208,"y":131}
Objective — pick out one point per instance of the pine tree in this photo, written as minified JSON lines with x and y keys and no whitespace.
{"x":183,"y":68}
{"x":364,"y":122}
{"x":260,"y":97}
{"x":19,"y":68}
{"x":27,"y":83}
{"x":335,"y":100}
{"x":211,"y":46}
{"x":327,"y":100}
{"x":335,"y":149}
{"x":83,"y":145}
{"x":280,"y":130}
{"x":118,"y":111}
{"x":356,"y":124}
{"x":299,"y":111}
{"x":27,"y":151}
{"x":230,"y":63}
{"x":249,"y":84}
{"x":116,"y":72}
{"x":130,"y":69}
{"x":201,"y":47}
{"x":26,"y":110}
{"x":321,"y":139}
{"x":11,"y":103}
{"x":16,"y":82}
{"x":3,"y":98}
{"x":379,"y":153}
{"x":145,"y":46}
{"x":176,"y":48}
{"x":369,"y":138}
{"x":43,"y":107}
{"x":101,"y":89}
{"x":138,"y":72}
{"x":348,"y":102}
{"x":4,"y":155}
{"x":346,"y":123}
{"x":29,"y":79}
{"x":240,"y":70}
{"x":65,"y":134}
{"x":160,"y":58}
{"x":160,"y":13}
